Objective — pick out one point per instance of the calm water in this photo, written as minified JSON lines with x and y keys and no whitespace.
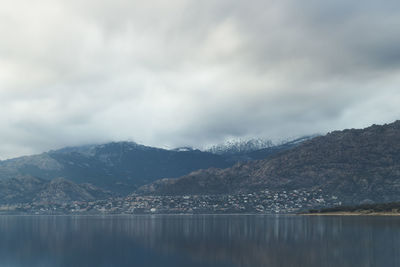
{"x":199,"y":241}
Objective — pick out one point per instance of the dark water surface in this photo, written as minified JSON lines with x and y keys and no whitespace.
{"x":271,"y":241}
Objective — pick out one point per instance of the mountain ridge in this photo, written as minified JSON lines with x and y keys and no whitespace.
{"x":355,"y":164}
{"x":121,"y":167}
{"x":29,"y":189}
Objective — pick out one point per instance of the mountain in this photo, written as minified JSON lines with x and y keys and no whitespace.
{"x":254,"y":149}
{"x":122,"y":167}
{"x":20,"y":189}
{"x":355,"y":165}
{"x":240,"y":146}
{"x":61,"y":191}
{"x":28,"y":189}
{"x":264,"y":153}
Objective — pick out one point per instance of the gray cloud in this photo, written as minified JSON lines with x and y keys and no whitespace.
{"x":183,"y":72}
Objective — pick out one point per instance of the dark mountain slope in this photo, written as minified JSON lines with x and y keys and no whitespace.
{"x":120,"y":167}
{"x":123,"y":166}
{"x":353,"y":164}
{"x":269,"y":151}
{"x":28,"y":189}
{"x":60,"y":191}
{"x":19,"y":189}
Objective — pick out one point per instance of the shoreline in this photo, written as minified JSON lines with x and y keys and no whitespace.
{"x":210,"y":214}
{"x":351,"y":214}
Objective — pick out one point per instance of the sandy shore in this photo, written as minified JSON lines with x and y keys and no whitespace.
{"x":353,"y":214}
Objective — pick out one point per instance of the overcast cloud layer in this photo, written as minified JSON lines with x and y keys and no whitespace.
{"x":187,"y":72}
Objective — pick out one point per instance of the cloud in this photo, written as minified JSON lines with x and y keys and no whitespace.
{"x":184,"y":72}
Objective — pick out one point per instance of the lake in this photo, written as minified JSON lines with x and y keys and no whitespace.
{"x":200,"y":240}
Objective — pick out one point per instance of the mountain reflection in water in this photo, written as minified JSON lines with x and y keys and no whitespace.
{"x":199,"y":241}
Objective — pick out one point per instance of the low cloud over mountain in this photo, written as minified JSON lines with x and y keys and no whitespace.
{"x":174,"y":73}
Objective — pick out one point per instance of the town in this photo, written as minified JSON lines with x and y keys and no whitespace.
{"x":262,"y":202}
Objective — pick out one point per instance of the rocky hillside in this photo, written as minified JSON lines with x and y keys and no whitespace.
{"x":355,"y":165}
{"x":28,"y":189}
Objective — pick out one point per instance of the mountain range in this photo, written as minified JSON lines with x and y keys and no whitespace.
{"x":118,"y":168}
{"x":355,"y":165}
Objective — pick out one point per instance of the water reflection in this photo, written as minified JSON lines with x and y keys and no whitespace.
{"x":200,"y":241}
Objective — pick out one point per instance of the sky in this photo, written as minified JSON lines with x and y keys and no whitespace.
{"x":187,"y":72}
